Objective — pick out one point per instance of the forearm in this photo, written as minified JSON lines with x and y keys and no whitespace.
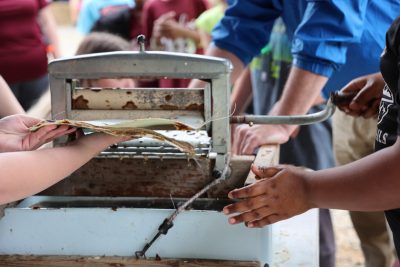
{"x":217,"y":52}
{"x":74,"y":6}
{"x":301,"y":91}
{"x":49,"y":27}
{"x":238,"y":65}
{"x":242,"y":93}
{"x":43,"y":168}
{"x":9,"y":105}
{"x":369,"y":184}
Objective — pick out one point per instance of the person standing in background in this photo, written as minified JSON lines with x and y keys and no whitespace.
{"x":353,"y":139}
{"x":24,"y":27}
{"x":159,"y":18}
{"x":332,"y":42}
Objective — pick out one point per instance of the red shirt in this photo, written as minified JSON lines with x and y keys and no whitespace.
{"x":153,"y":9}
{"x":23,"y":54}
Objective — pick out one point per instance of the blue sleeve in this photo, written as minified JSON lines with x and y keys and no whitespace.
{"x":246,"y":26}
{"x":328,"y":26}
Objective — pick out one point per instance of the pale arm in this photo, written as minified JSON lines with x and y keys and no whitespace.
{"x":49,"y":27}
{"x":301,"y":91}
{"x":8,"y":103}
{"x":242,"y":93}
{"x":43,"y":168}
{"x":74,"y":7}
{"x":217,"y":52}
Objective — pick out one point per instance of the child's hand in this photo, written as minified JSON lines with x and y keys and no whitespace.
{"x":159,"y":26}
{"x":280,"y":194}
{"x":16,"y":136}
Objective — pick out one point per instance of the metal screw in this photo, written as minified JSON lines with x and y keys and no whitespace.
{"x":141,"y":39}
{"x":216,"y":174}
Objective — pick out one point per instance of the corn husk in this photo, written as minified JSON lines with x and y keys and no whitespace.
{"x":134,"y":128}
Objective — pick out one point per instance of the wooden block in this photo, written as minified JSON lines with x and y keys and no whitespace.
{"x":267,"y":155}
{"x":240,"y":166}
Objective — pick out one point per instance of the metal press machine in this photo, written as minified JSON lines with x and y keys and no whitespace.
{"x":113,"y":206}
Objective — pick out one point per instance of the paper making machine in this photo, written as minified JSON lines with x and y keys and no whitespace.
{"x":112,"y":207}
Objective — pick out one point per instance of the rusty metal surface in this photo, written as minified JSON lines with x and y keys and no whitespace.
{"x":195,"y":112}
{"x":135,"y":177}
{"x":75,"y":261}
{"x":142,"y":99}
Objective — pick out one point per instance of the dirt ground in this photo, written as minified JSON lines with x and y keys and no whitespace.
{"x":348,"y":248}
{"x":348,"y":252}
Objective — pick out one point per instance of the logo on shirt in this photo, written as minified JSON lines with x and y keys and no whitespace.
{"x":386,"y":102}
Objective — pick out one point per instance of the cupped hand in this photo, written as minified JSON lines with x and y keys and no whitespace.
{"x":280,"y":193}
{"x":15,"y":134}
{"x":161,"y":24}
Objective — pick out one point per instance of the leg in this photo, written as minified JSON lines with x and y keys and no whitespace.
{"x":374,"y":238}
{"x":326,"y":239}
{"x":29,"y":92}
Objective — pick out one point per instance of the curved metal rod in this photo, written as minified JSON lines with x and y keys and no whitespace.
{"x":295,"y":119}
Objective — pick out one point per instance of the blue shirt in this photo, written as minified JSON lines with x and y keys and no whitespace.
{"x":340,"y":39}
{"x":91,"y":10}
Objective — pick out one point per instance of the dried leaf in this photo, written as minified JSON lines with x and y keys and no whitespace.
{"x":134,"y":128}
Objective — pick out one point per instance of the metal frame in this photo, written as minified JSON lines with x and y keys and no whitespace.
{"x":215,"y":71}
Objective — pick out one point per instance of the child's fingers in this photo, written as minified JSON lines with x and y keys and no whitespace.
{"x":42,"y":132}
{"x":60,"y":131}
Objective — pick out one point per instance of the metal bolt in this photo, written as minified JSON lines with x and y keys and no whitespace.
{"x":141,"y":39}
{"x":216,"y":174}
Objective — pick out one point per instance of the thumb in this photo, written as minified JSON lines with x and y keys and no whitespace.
{"x":264,"y":172}
{"x":29,"y":121}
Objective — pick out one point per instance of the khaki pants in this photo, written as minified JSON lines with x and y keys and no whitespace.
{"x":353,"y":139}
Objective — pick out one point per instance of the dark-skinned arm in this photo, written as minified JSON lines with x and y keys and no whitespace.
{"x":369,"y":184}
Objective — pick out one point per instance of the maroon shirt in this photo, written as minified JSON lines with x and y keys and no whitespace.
{"x":23,"y":54}
{"x":153,"y":9}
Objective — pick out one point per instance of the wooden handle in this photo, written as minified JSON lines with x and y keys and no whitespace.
{"x":267,"y":155}
{"x":342,"y":98}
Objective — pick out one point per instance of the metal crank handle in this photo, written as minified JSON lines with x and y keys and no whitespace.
{"x":293,"y":120}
